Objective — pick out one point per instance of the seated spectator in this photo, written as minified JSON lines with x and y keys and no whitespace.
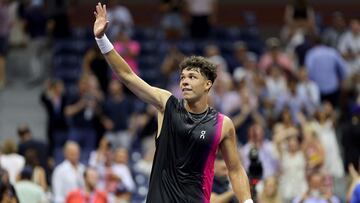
{"x":89,"y":193}
{"x":122,"y":170}
{"x":275,"y":56}
{"x":221,"y":192}
{"x":317,"y":192}
{"x":7,"y":191}
{"x":10,"y":160}
{"x":270,"y":193}
{"x":69,"y":174}
{"x":38,"y":173}
{"x":308,"y":91}
{"x":27,"y":190}
{"x":98,"y":157}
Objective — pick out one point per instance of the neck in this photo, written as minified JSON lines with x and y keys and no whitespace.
{"x":89,"y":189}
{"x":199,"y":106}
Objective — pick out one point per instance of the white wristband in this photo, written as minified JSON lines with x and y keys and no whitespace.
{"x":249,"y":201}
{"x":104,"y":44}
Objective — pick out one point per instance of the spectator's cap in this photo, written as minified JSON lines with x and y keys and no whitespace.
{"x":273,"y":43}
{"x":26,"y":173}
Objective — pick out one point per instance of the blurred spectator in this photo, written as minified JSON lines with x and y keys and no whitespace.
{"x":89,"y":193}
{"x":318,"y":191}
{"x":241,"y":55}
{"x":84,"y":112}
{"x":353,"y":192}
{"x":120,"y":18}
{"x":118,"y":109}
{"x":308,"y":91}
{"x":38,"y":172}
{"x":7,"y":191}
{"x":172,"y":21}
{"x":144,"y":165}
{"x":98,"y":157}
{"x":212,"y":52}
{"x":292,"y":164}
{"x":299,"y":20}
{"x":350,"y":139}
{"x":203,"y":14}
{"x":10,"y":160}
{"x":327,"y":69}
{"x":324,"y":127}
{"x":69,"y":174}
{"x":95,"y":63}
{"x":122,"y":170}
{"x":270,"y":192}
{"x":170,"y":70}
{"x":28,"y":191}
{"x":265,"y":150}
{"x":275,"y":57}
{"x":54,"y":101}
{"x":5,"y":24}
{"x":36,"y":22}
{"x":331,"y":35}
{"x":221,"y":191}
{"x":29,"y":145}
{"x":129,"y":49}
{"x":276,"y":84}
{"x":349,"y":46}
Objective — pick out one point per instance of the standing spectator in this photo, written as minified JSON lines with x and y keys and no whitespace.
{"x":27,"y":144}
{"x":5,"y":23}
{"x":349,"y":46}
{"x":118,"y":109}
{"x":172,"y":20}
{"x":54,"y":101}
{"x":10,"y":160}
{"x":98,"y":157}
{"x":95,"y":63}
{"x":90,"y":193}
{"x":203,"y":15}
{"x":84,"y":112}
{"x":265,"y":150}
{"x":332,"y":34}
{"x":129,"y":49}
{"x":120,"y":19}
{"x":69,"y":174}
{"x":327,"y":69}
{"x":28,"y":191}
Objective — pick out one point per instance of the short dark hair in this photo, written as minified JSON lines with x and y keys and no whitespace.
{"x":205,"y":67}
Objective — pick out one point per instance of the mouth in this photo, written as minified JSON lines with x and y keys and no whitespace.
{"x":186,"y":90}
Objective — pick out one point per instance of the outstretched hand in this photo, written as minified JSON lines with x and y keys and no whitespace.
{"x":101,"y":22}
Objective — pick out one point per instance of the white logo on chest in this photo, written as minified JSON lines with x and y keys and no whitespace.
{"x":202,"y":136}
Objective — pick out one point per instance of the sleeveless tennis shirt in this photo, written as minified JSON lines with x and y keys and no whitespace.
{"x":183,"y":167}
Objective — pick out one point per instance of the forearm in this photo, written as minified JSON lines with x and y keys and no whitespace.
{"x":74,"y":109}
{"x":222,"y":198}
{"x":240,"y":184}
{"x":119,"y":65}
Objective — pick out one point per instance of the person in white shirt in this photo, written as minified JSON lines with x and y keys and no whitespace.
{"x":27,"y":190}
{"x":120,"y":19}
{"x":12,"y":162}
{"x":69,"y":174}
{"x":308,"y":91}
{"x":349,"y":46}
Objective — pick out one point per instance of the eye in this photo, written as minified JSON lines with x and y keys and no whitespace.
{"x":182,"y":77}
{"x":192,"y":77}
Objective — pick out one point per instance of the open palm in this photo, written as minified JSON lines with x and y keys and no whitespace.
{"x":101,"y":22}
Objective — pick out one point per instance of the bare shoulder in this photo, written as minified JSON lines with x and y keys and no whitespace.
{"x":227,"y":128}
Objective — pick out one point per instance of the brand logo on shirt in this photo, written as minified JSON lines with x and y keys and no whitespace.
{"x":202,"y":136}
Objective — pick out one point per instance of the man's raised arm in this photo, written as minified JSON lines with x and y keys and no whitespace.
{"x":139,"y":87}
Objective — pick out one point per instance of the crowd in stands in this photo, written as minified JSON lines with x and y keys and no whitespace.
{"x":294,"y":101}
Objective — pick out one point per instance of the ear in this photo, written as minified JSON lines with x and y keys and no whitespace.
{"x":208,"y":85}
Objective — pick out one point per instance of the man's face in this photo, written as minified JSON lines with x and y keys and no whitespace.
{"x":91,"y":178}
{"x":72,"y":154}
{"x":193,"y":84}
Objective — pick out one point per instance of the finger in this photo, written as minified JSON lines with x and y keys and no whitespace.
{"x":104,"y":7}
{"x":95,"y":14}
